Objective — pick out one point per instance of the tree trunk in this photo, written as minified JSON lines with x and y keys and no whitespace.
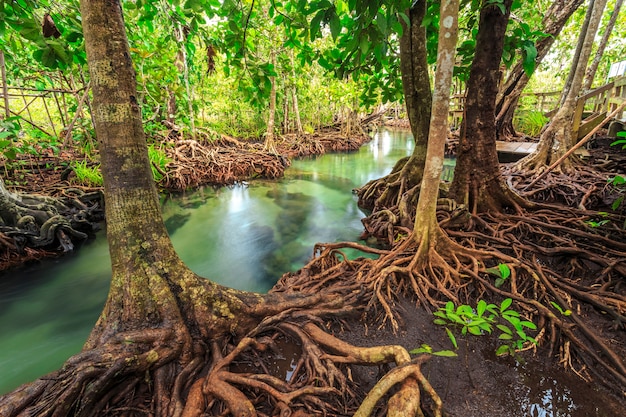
{"x":576,"y":60}
{"x":296,"y":110}
{"x":477,"y":180}
{"x":417,"y":91}
{"x":5,"y":87}
{"x":160,"y":318}
{"x":512,"y":88}
{"x":399,"y":188}
{"x":294,"y":97}
{"x":593,"y":67}
{"x":558,"y":137}
{"x":426,"y":226}
{"x":270,"y":145}
{"x":286,"y":126}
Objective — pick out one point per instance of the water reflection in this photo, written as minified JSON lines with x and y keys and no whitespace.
{"x":244,"y":237}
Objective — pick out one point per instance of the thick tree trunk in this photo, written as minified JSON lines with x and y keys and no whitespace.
{"x":558,"y":137}
{"x":477,"y":180}
{"x":426,"y":226}
{"x":417,"y":91}
{"x":399,"y":188}
{"x":608,"y":30}
{"x":512,"y":88}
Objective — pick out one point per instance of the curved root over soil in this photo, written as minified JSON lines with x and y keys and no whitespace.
{"x":555,"y":258}
{"x":162,"y":372}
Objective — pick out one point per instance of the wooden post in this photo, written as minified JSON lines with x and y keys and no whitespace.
{"x":5,"y":87}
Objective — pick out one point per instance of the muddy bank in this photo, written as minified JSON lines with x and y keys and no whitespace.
{"x":479,"y":383}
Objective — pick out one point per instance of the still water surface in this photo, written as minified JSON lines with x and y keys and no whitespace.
{"x":244,"y":237}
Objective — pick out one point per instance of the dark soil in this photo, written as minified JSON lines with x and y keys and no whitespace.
{"x":479,"y":383}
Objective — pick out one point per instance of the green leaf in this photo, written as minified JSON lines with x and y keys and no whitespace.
{"x":617,"y":180}
{"x":445,"y":353}
{"x":381,"y":21}
{"x":364,"y":45}
{"x":452,"y":338}
{"x":335,"y":25}
{"x":505,"y":304}
{"x":474,"y":330}
{"x":529,"y":324}
{"x":481,"y":307}
{"x":503,"y":350}
{"x":504,"y":329}
{"x":505,"y":271}
{"x":505,"y":336}
{"x":315,"y":24}
{"x":440,"y":321}
{"x":422,"y":349}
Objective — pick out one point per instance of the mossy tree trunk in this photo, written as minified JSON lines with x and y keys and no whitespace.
{"x":558,"y":137}
{"x":477,"y":180}
{"x":426,"y":229}
{"x":399,"y":189}
{"x":517,"y":80}
{"x":159,"y":318}
{"x":417,"y":90}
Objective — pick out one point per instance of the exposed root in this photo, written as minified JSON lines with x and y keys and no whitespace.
{"x":35,"y":226}
{"x":555,"y":258}
{"x":584,"y":188}
{"x":199,"y":163}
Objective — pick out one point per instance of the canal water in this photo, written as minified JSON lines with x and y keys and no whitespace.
{"x":244,"y":237}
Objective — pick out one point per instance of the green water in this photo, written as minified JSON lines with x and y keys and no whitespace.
{"x":244,"y":237}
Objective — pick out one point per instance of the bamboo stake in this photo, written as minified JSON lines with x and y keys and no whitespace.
{"x":578,"y":145}
{"x":77,"y":115}
{"x":45,"y":105}
{"x":5,"y":87}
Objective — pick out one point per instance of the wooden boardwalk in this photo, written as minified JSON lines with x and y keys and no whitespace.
{"x":516,"y":148}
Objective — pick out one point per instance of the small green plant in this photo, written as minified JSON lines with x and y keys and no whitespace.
{"x":530,"y":122}
{"x":87,"y":175}
{"x":558,"y":307}
{"x":424,"y":348}
{"x":10,"y":131}
{"x":158,"y":161}
{"x":484,"y":319}
{"x":618,"y":181}
{"x":501,"y":271}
